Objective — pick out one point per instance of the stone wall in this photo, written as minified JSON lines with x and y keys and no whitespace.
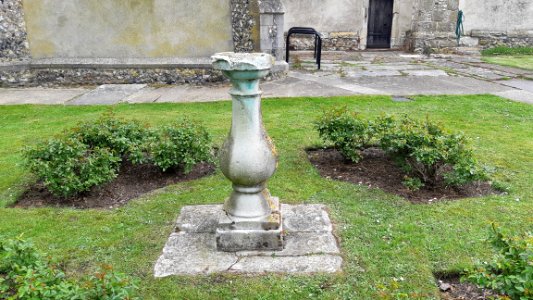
{"x":490,"y":39}
{"x":244,"y":19}
{"x":334,"y":41}
{"x":434,"y":25}
{"x":73,"y":76}
{"x":272,"y":24}
{"x":13,"y":42}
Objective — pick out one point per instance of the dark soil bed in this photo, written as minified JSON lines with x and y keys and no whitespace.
{"x":377,"y":170}
{"x":451,"y":288}
{"x":132,"y":182}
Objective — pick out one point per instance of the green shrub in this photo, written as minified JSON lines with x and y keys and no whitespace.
{"x":503,"y":50}
{"x":182,"y":145}
{"x":68,"y":167}
{"x":27,"y":274}
{"x":347,"y":131}
{"x":413,"y":184}
{"x":511,"y":270}
{"x":426,"y":150}
{"x":126,"y":139}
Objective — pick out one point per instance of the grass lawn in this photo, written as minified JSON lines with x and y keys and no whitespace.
{"x":519,"y":57}
{"x":389,"y":244}
{"x":516,"y":61}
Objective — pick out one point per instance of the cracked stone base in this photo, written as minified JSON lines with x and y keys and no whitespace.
{"x":309,"y":245}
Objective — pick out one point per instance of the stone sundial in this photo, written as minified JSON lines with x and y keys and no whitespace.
{"x":252,"y":232}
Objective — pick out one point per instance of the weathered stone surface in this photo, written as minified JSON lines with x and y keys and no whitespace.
{"x":198,"y":219}
{"x":526,"y":85}
{"x":431,"y":73}
{"x":107,"y":94}
{"x":180,"y":93}
{"x":302,"y":243}
{"x":306,"y":218}
{"x":39,"y":95}
{"x":485,"y":73}
{"x":236,"y":240}
{"x":420,"y":85}
{"x":192,"y":250}
{"x":192,"y":253}
{"x":288,"y":264}
{"x":263,"y":235}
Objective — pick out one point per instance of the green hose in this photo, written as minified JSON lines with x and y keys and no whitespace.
{"x":459,"y":29}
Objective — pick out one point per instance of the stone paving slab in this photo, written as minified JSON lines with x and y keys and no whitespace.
{"x":485,"y":73}
{"x":374,"y":73}
{"x":526,"y":85}
{"x":348,"y":87}
{"x":107,"y":94}
{"x":431,"y":73}
{"x":297,"y":87}
{"x":310,"y":246}
{"x":396,"y":67}
{"x":511,"y":70}
{"x":426,"y":85}
{"x":517,"y":95}
{"x":180,"y":93}
{"x":39,"y":95}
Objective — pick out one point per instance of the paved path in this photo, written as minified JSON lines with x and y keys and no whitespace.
{"x":366,"y":73}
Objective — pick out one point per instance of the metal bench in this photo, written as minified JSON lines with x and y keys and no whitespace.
{"x":306,"y":30}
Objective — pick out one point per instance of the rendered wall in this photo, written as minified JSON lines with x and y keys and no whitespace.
{"x":339,"y":19}
{"x":128,"y":28}
{"x":497,"y":15}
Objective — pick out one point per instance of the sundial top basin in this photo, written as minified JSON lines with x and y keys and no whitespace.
{"x":252,"y":65}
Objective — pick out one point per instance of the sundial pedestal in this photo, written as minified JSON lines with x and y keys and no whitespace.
{"x":252,"y":233}
{"x":251,"y":219}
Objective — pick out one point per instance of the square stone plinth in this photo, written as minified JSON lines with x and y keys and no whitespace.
{"x":309,"y":245}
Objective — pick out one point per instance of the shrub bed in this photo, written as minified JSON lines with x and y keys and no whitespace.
{"x":425,"y":150}
{"x":92,"y":154}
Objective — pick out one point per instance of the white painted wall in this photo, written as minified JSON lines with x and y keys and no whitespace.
{"x":497,"y":15}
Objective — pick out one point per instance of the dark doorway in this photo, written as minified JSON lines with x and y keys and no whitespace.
{"x":379,"y":23}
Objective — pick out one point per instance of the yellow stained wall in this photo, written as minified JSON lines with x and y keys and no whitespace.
{"x":127,"y":28}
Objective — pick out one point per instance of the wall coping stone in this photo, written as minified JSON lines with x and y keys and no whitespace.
{"x":109,"y":63}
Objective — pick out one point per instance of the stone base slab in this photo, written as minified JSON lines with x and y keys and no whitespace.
{"x":310,"y":246}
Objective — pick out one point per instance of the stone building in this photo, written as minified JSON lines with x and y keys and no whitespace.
{"x":413,"y":24}
{"x":171,"y":40}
